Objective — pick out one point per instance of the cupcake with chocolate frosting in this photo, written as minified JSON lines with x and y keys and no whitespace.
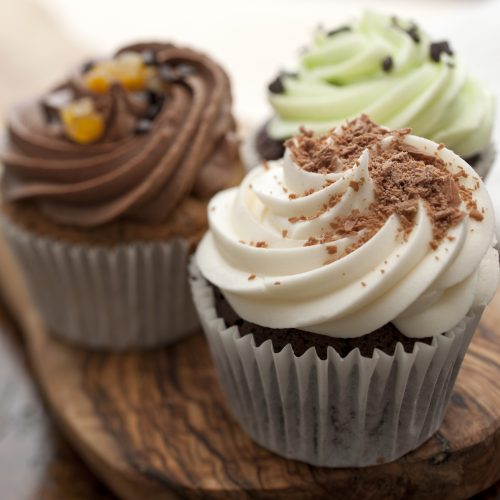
{"x":339,"y":288}
{"x":105,"y":187}
{"x":391,"y":70}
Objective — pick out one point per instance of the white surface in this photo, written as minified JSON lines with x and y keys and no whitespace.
{"x":253,"y":39}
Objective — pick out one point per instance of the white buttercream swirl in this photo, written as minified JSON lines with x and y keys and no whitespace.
{"x":283,"y":284}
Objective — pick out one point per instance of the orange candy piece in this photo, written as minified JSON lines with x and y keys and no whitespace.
{"x":97,"y":81}
{"x":82,"y":123}
{"x":127,"y":68}
{"x":131,"y":71}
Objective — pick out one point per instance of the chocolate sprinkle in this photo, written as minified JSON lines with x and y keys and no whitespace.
{"x":387,"y":64}
{"x":267,"y":147}
{"x":154,"y":97}
{"x":412,"y":31}
{"x":276,"y":86}
{"x":340,"y":29}
{"x":438,"y":48}
{"x":154,"y":109}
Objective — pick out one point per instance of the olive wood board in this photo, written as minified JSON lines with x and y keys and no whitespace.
{"x":154,"y":424}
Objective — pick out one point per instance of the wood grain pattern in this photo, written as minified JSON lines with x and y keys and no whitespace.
{"x":155,"y":425}
{"x":35,"y":461}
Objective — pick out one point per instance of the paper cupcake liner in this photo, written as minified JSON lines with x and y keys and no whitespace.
{"x":339,"y":412}
{"x":122,"y":297}
{"x":252,"y":159}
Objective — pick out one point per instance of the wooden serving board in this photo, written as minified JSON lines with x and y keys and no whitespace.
{"x":155,"y":425}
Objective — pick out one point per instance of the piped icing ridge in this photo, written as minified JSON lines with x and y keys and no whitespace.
{"x":140,"y":143}
{"x":352,"y":230}
{"x":389,"y":69}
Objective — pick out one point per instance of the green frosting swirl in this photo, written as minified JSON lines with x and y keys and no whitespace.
{"x":383,"y":67}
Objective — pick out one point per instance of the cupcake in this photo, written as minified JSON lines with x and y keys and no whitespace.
{"x":389,"y":69}
{"x":339,"y":288}
{"x":106,"y":182}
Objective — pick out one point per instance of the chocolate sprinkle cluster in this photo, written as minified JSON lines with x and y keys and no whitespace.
{"x":402,"y":178}
{"x":320,"y":155}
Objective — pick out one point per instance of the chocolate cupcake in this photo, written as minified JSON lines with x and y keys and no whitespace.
{"x":106,"y":183}
{"x":339,"y":288}
{"x":389,"y":69}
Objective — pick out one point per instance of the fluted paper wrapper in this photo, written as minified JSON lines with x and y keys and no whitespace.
{"x":252,"y":159}
{"x":339,"y":412}
{"x":122,"y":297}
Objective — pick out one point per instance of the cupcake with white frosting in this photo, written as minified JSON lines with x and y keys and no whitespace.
{"x":390,"y":69}
{"x":339,"y":289}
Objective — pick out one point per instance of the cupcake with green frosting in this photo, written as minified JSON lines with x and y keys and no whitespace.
{"x":391,"y":70}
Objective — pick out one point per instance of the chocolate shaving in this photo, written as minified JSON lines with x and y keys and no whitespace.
{"x":276,"y":86}
{"x":411,"y":31}
{"x":387,"y":64}
{"x":438,"y":48}
{"x":340,"y":29}
{"x":354,"y":185}
{"x":311,"y":241}
{"x":476,"y":215}
{"x":321,"y":155}
{"x":402,"y":177}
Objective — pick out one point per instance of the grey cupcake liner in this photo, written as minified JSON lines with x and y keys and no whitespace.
{"x":339,"y":412}
{"x":129,"y":296}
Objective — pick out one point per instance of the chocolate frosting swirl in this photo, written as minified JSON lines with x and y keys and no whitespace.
{"x":190,"y":149}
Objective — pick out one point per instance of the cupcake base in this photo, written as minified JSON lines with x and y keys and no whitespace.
{"x":337,"y":412}
{"x":385,"y":338}
{"x":128,"y":296}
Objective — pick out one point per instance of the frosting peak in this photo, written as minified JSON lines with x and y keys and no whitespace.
{"x":128,"y":142}
{"x":353,"y":230}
